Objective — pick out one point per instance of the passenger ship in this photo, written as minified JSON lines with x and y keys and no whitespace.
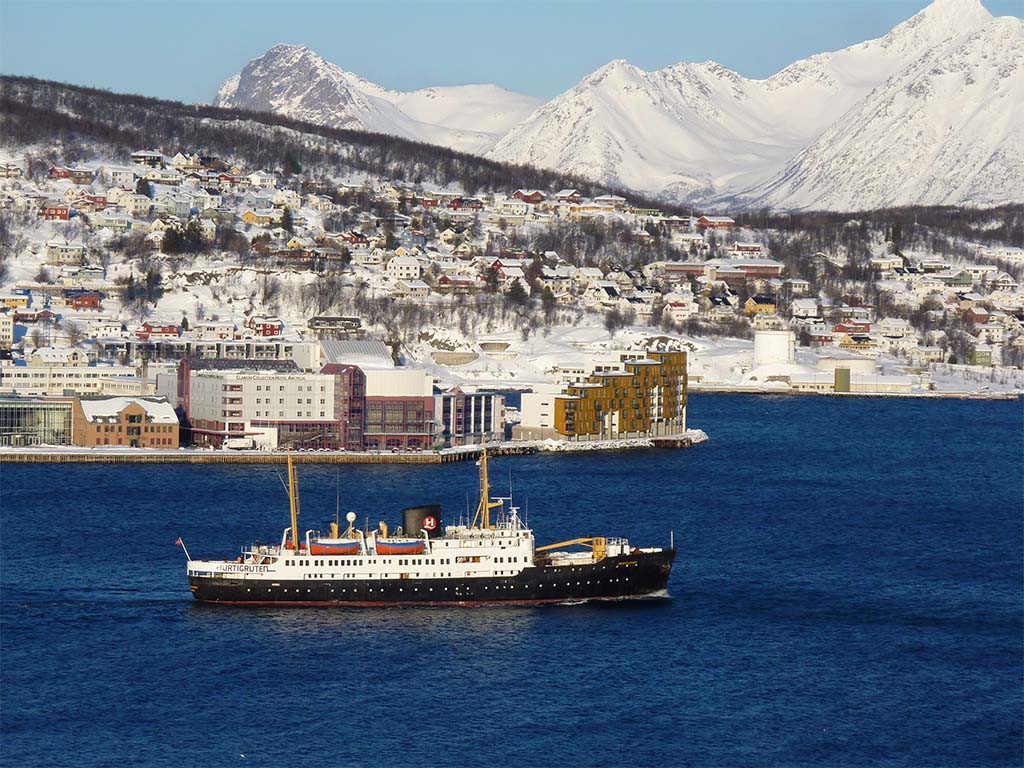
{"x":427,"y":564}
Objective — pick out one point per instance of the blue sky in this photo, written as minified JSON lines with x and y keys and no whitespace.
{"x":183,"y":50}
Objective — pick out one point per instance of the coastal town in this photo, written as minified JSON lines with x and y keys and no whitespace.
{"x":172,"y":300}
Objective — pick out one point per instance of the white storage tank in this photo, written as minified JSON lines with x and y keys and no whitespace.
{"x":773,"y":346}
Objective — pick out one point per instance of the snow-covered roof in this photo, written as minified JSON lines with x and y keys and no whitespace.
{"x":404,"y":261}
{"x":414,"y":284}
{"x":362,"y":352}
{"x":158,"y":411}
{"x":52,"y":355}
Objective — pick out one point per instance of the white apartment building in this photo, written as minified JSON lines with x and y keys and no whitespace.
{"x":224,"y":403}
{"x":58,"y":378}
{"x":61,"y":252}
{"x":404,"y":268}
{"x":212,"y":331}
{"x":6,"y":331}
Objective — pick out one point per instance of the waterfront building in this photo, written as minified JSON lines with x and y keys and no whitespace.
{"x":399,"y":409}
{"x":647,"y":398}
{"x":344,"y":406}
{"x":469,"y":418}
{"x":842,"y":380}
{"x":28,"y":421}
{"x":124,"y":421}
{"x":291,"y":408}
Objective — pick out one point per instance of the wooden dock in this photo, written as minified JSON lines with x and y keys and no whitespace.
{"x":56,"y":456}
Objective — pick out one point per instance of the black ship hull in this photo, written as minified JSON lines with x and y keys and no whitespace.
{"x":638,"y":574}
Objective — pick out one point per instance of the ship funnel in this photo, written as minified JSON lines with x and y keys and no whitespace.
{"x":425,"y":518}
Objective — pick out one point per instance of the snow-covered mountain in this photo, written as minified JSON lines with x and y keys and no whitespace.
{"x":947,"y":129}
{"x":294,"y":81}
{"x":704,"y":132}
{"x":928,"y":113}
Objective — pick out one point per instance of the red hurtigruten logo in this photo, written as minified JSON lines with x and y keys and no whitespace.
{"x":430,"y":523}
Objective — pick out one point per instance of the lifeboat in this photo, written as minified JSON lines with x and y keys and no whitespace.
{"x":329,"y":546}
{"x":400,"y":546}
{"x":334,"y":547}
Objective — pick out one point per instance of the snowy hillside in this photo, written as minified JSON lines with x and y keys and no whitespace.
{"x":294,"y":81}
{"x":824,"y":132}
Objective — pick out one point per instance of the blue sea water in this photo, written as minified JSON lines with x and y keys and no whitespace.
{"x":848,"y":592}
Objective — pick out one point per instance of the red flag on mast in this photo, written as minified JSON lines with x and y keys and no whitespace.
{"x":178,"y":542}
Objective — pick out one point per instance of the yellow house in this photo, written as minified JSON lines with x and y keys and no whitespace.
{"x":263,"y":217}
{"x":759,"y":305}
{"x":857,"y":341}
{"x":13,"y":301}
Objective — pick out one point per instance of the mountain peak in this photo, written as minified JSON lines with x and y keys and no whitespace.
{"x":287,"y":48}
{"x":942,"y":19}
{"x":293,"y":80}
{"x":955,"y":7}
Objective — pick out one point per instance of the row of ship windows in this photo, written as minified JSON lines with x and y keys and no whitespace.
{"x":351,"y":563}
{"x":499,"y":586}
{"x":418,"y":561}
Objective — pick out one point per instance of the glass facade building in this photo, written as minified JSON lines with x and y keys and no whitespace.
{"x":26,"y":421}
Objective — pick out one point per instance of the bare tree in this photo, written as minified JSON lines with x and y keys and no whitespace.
{"x":269,"y":288}
{"x":613,"y":321}
{"x":74,"y":332}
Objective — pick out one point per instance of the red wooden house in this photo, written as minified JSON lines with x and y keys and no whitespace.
{"x":148,"y":331}
{"x":54,"y":210}
{"x":716,"y":222}
{"x":265,"y":326}
{"x":83,"y":299}
{"x":90,"y":202}
{"x":531,"y":196}
{"x":977,"y":316}
{"x":851,"y":327}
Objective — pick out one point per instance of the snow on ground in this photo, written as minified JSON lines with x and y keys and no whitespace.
{"x":713,"y":363}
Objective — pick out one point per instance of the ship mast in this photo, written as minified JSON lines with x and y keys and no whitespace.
{"x":293,"y":501}
{"x":484,"y":507}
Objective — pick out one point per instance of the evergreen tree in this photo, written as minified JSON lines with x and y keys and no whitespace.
{"x":517,"y":294}
{"x":291,"y":164}
{"x":173,"y":241}
{"x":548,"y":302}
{"x":492,"y":280}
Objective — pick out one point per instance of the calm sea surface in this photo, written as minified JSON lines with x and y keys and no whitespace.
{"x":848,"y":592}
